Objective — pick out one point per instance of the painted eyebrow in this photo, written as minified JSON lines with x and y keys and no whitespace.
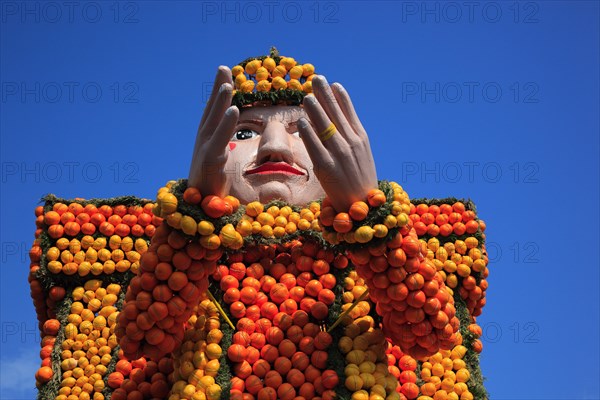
{"x":261,"y":123}
{"x":255,"y":121}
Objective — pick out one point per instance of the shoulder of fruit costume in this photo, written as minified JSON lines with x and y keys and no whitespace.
{"x":374,"y":220}
{"x":223,"y":221}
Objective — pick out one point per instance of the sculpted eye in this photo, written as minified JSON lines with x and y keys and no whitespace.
{"x":244,"y":134}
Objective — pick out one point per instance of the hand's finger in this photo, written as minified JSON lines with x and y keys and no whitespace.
{"x":206,"y":168}
{"x":222,"y":134}
{"x":221,"y":103}
{"x":318,"y":154}
{"x":321,"y":122}
{"x":223,"y":76}
{"x":343,"y":99}
{"x":327,"y":99}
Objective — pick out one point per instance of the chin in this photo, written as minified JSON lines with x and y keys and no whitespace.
{"x":276,"y":191}
{"x":293,"y":190}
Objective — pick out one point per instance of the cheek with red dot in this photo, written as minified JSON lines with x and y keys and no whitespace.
{"x":232,"y":146}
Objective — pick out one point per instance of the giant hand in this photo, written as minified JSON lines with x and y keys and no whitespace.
{"x":207,"y":170}
{"x":341,"y":154}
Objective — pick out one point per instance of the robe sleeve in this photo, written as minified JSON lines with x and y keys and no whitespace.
{"x":174,"y":272}
{"x":417,"y":310}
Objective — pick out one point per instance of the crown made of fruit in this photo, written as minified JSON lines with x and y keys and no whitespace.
{"x":271,"y":80}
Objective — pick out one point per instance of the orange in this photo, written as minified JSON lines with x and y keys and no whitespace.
{"x":44,"y":374}
{"x":376,"y":198}
{"x":192,"y":196}
{"x":214,"y":206}
{"x":342,"y":223}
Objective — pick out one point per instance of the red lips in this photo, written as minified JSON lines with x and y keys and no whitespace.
{"x":275,"y":168}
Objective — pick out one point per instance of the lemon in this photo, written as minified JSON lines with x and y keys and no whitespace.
{"x":380,"y":230}
{"x":364,"y":234}
{"x":354,"y":383}
{"x":279,"y":83}
{"x":287,"y":62}
{"x":296,"y":72}
{"x":93,"y":285}
{"x":254,"y":208}
{"x":235,"y":71}
{"x":355,"y":357}
{"x":279,"y":71}
{"x":168,"y":202}
{"x":294,"y":84}
{"x":308,"y":69}
{"x":227,"y":234}
{"x":241,"y":78}
{"x":247,"y":86}
{"x":266,"y":231}
{"x":244,"y":228}
{"x":211,"y":242}
{"x":368,"y":380}
{"x":205,"y":228}
{"x":261,"y":74}
{"x":269,"y":64}
{"x":188,"y":225}
{"x":252,"y":66}
{"x":351,"y":369}
{"x":307,"y":87}
{"x":263,"y":86}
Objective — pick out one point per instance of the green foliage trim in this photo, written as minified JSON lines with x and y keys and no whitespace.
{"x":50,"y":389}
{"x":475,"y":382}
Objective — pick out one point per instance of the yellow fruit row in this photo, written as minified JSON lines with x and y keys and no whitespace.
{"x":343,"y":223}
{"x":366,"y":373}
{"x":96,"y":256}
{"x":453,"y":259}
{"x":273,"y":222}
{"x":276,"y":222}
{"x":89,"y":341}
{"x":446,"y":375}
{"x":270,"y":76}
{"x":197,"y":361}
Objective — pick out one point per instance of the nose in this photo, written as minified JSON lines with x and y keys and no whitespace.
{"x":275,"y":144}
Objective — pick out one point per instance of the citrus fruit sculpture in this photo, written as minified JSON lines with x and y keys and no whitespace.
{"x":195,"y":296}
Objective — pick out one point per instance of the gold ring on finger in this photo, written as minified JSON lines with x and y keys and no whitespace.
{"x":327,"y":133}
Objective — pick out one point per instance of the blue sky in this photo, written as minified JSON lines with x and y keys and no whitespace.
{"x":495,"y":101}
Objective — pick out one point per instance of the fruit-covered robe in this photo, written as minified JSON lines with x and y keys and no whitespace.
{"x":271,"y":301}
{"x":258,"y":301}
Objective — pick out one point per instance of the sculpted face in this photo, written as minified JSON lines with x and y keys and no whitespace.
{"x":268,"y":158}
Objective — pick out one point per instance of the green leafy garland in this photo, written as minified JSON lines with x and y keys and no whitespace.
{"x":111,"y":367}
{"x":475,"y":382}
{"x":198,"y":214}
{"x":224,"y":375}
{"x":286,"y":97}
{"x":336,"y":360}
